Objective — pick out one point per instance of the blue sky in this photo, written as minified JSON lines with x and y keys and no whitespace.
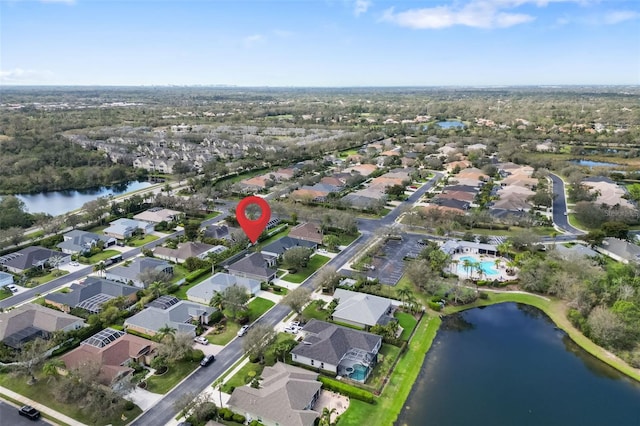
{"x":319,"y":42}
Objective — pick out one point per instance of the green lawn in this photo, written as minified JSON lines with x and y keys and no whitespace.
{"x":313,"y":311}
{"x":259,"y":306}
{"x":390,"y":403}
{"x":103,"y":255}
{"x":41,"y":392}
{"x":407,"y":322}
{"x":229,"y":332}
{"x":177,"y":372}
{"x":383,"y":368}
{"x":50,"y":276}
{"x":315,"y":262}
{"x":141,"y":240}
{"x":345,"y":239}
{"x":242,"y":377}
{"x":5,"y":292}
{"x":280,"y":231}
{"x":179,"y":272}
{"x":182,"y":291}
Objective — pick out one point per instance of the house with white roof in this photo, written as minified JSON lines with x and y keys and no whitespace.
{"x":204,"y":291}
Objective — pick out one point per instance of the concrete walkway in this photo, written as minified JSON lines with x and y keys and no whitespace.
{"x":143,"y":398}
{"x":43,"y":409}
{"x":269,"y":296}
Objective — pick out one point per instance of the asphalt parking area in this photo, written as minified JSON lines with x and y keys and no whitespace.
{"x":390,"y":267}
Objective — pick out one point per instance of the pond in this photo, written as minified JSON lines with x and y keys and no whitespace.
{"x":59,"y":202}
{"x":508,"y":364}
{"x":590,"y":164}
{"x":450,"y":124}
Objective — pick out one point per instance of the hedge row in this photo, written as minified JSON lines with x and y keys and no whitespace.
{"x":196,"y":274}
{"x":347,"y":389}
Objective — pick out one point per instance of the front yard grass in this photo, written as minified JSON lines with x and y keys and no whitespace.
{"x":50,"y":276}
{"x":229,"y":332}
{"x":41,"y":392}
{"x":177,"y":372}
{"x":242,"y":377}
{"x":315,"y":262}
{"x":389,"y":355}
{"x":407,"y":322}
{"x":181,"y":293}
{"x":103,"y":255}
{"x":5,"y":292}
{"x":313,"y":310}
{"x":141,"y":240}
{"x":179,"y":272}
{"x":257,"y":307}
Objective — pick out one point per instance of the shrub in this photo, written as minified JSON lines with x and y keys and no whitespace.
{"x":576,"y":319}
{"x":225,"y":413}
{"x":238,"y":418}
{"x":483,"y":295}
{"x":197,"y":355}
{"x":435,"y":306}
{"x":129,"y":405}
{"x":347,"y":390}
{"x":215,"y":317}
{"x":196,"y":274}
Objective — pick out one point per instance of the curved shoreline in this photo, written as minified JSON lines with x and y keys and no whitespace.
{"x":395,"y":394}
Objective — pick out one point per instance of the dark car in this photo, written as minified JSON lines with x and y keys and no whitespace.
{"x":29,"y":412}
{"x":207,"y":360}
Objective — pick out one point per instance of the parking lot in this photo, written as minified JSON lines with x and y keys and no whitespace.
{"x":390,"y":267}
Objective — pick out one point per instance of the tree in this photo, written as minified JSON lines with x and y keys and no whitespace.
{"x":31,"y":356}
{"x":176,"y":348}
{"x":51,"y":368}
{"x":605,"y":328}
{"x":525,"y":238}
{"x":157,"y":289}
{"x":258,"y":339}
{"x":616,"y":229}
{"x":594,"y":237}
{"x":296,"y":257}
{"x":149,"y":276}
{"x":217,"y":301}
{"x":395,"y":191}
{"x":331,"y":241}
{"x":185,"y":403}
{"x":191,"y":230}
{"x":297,"y":298}
{"x":327,"y":278}
{"x":165,"y":332}
{"x":55,"y":261}
{"x":100,"y":268}
{"x":234,"y":299}
{"x":404,"y":292}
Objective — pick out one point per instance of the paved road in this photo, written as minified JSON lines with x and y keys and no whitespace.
{"x":560,"y":217}
{"x":9,"y":416}
{"x":164,"y":411}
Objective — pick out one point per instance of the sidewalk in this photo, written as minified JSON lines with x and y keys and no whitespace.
{"x":43,"y":409}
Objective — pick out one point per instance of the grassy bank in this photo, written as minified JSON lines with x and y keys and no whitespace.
{"x":396,"y":392}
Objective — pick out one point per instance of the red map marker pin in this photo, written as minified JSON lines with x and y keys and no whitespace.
{"x":253,"y":228}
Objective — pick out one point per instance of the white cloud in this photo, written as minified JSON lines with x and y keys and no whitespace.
{"x":615,"y":17}
{"x":283,"y":33}
{"x":253,"y":40}
{"x":361,"y":6}
{"x":20,"y":76}
{"x":475,"y":14}
{"x":69,"y":2}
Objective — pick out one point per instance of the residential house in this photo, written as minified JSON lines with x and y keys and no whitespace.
{"x":187,"y":250}
{"x":286,"y":397}
{"x":608,"y":192}
{"x":307,"y":195}
{"x":30,"y":321}
{"x":220,"y":232}
{"x":308,"y":232}
{"x":457,"y":195}
{"x":219,"y":282}
{"x":81,"y":242}
{"x":343,"y":351}
{"x":255,"y":266}
{"x":363,"y":169}
{"x":124,"y":228}
{"x":157,"y":215}
{"x":454,"y":246}
{"x":254,"y":184}
{"x":113,"y":350}
{"x":362,"y":310}
{"x":131,"y":273}
{"x":5,"y":279}
{"x":278,"y":247}
{"x":91,"y":295}
{"x":33,"y":257}
{"x":459,"y":205}
{"x":154,"y":164}
{"x":575,"y":251}
{"x":171,"y":312}
{"x":333,"y":181}
{"x":620,"y":250}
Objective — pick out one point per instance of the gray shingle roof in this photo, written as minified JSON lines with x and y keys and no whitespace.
{"x":284,"y":393}
{"x":286,"y":243}
{"x":218,"y":283}
{"x":29,"y":257}
{"x":254,"y":264}
{"x":176,"y":316}
{"x":360,"y":307}
{"x":330,"y":342}
{"x":138,"y":265}
{"x":91,"y":287}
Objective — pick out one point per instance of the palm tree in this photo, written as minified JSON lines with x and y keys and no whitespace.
{"x":100,"y":268}
{"x":50,"y":368}
{"x":455,"y":263}
{"x":497,"y":262}
{"x":325,"y":418}
{"x":412,"y":301}
{"x":404,"y":292}
{"x":217,"y":301}
{"x":164,"y":332}
{"x":218,"y":385}
{"x":466,"y":263}
{"x":156,"y":289}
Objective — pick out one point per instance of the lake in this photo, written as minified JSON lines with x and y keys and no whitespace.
{"x":450,"y":124}
{"x":589,"y":163}
{"x":508,"y":364}
{"x":59,"y":202}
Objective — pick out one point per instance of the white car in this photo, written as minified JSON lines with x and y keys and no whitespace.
{"x":74,"y":264}
{"x":243,"y":330}
{"x":12,"y":288}
{"x":292,"y":330}
{"x":201,"y":340}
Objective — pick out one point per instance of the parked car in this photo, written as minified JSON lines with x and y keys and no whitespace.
{"x":29,"y":412}
{"x":12,"y":288}
{"x":243,"y":330}
{"x":295,"y":324}
{"x":202,"y":340}
{"x":292,"y":330}
{"x":207,"y":360}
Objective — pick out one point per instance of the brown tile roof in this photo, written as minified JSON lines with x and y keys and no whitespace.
{"x":308,"y":232}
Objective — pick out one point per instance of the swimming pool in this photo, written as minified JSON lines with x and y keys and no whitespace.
{"x":488,"y":266}
{"x":359,"y":372}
